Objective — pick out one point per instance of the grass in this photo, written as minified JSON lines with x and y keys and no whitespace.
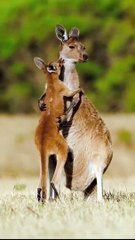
{"x":125,"y":137}
{"x":21,"y":216}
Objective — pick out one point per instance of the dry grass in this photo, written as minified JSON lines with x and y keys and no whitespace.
{"x":72,"y":217}
{"x":22,"y":217}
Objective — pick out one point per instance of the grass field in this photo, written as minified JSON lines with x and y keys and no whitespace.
{"x":22,"y":217}
{"x":72,"y":217}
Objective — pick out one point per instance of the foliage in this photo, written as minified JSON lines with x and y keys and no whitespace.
{"x":107,"y":30}
{"x":125,"y":137}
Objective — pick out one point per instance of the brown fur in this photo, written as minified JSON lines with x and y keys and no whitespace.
{"x":47,"y":137}
{"x":88,"y":137}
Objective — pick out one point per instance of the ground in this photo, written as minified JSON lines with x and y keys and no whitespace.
{"x":21,"y":216}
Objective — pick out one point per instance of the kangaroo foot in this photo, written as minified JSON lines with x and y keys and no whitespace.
{"x":55,"y":190}
{"x":43,"y":196}
{"x":39,"y":194}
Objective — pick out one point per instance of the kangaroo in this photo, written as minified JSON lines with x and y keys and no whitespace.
{"x":47,"y":137}
{"x":87,"y":134}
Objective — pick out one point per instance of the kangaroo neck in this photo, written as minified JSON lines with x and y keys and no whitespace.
{"x":69,"y":75}
{"x":52,"y":80}
{"x":52,"y":84}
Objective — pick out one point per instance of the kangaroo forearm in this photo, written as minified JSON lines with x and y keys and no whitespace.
{"x":42,"y":106}
{"x":72,"y":105}
{"x":73,"y":93}
{"x":75,"y":100}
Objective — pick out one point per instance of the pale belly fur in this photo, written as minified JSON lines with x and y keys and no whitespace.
{"x":90,"y":141}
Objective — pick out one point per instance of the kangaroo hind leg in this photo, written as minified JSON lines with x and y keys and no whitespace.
{"x":42,"y":189}
{"x":61,"y":160}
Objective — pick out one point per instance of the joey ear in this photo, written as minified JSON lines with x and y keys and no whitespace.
{"x":39,"y":63}
{"x":74,"y":32}
{"x":61,"y":33}
{"x":51,"y":68}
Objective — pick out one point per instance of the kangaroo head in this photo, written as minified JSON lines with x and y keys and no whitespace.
{"x":71,"y":48}
{"x":50,"y":68}
{"x":54,"y":67}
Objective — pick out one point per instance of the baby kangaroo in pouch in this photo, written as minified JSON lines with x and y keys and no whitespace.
{"x":48,"y":138}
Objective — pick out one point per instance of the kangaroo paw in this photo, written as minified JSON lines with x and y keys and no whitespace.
{"x":55,"y":190}
{"x":39,"y":194}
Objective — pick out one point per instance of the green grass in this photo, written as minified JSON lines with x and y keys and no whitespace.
{"x":21,"y":216}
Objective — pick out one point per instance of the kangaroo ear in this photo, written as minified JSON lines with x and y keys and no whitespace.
{"x":61,"y":33}
{"x":74,"y":32}
{"x":39,"y":63}
{"x":51,"y":68}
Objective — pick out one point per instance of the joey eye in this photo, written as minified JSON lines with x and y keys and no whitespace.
{"x":51,"y":68}
{"x":72,"y":47}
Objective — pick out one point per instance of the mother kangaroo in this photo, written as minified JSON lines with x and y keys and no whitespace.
{"x":89,"y":140}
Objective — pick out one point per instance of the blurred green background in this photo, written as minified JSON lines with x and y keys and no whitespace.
{"x":27,"y":29}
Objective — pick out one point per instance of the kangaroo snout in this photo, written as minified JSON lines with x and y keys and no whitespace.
{"x":85,"y":57}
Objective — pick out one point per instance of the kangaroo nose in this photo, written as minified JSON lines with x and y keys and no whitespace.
{"x":85,"y":57}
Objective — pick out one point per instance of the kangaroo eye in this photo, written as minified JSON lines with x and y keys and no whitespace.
{"x":72,"y":47}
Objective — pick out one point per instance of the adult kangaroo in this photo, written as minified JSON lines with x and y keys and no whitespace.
{"x":87,"y":136}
